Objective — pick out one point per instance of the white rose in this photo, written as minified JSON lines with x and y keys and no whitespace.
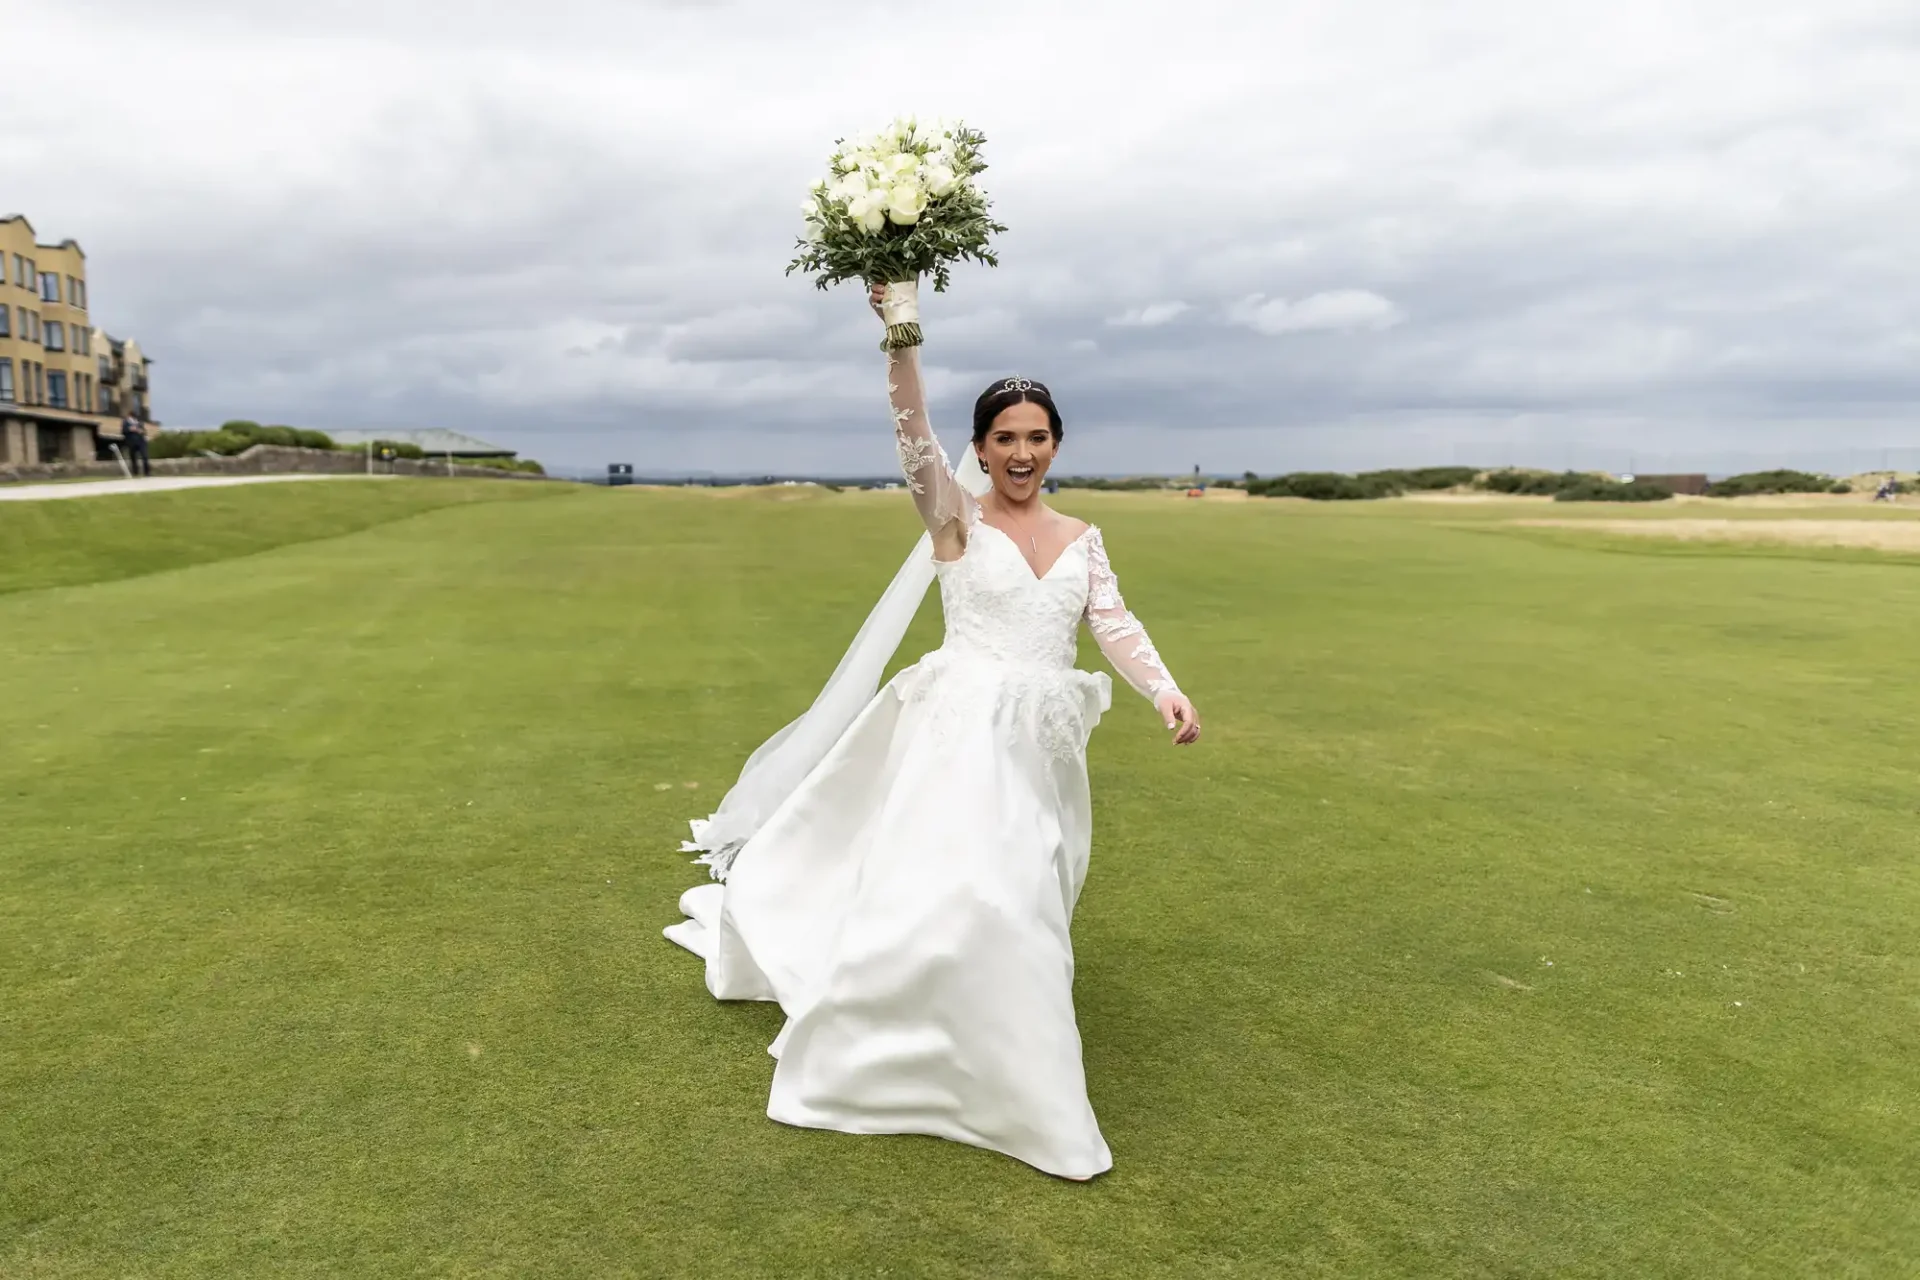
{"x":814,"y":232}
{"x":818,"y":184}
{"x":873,"y":220}
{"x":940,"y":180}
{"x":905,"y":203}
{"x":846,"y":163}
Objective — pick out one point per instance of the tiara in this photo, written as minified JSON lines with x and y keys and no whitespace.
{"x":1017,"y":384}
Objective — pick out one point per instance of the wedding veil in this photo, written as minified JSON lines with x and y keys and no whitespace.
{"x":783,"y":761}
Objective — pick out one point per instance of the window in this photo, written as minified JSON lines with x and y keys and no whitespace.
{"x":57,"y":389}
{"x":56,"y":336}
{"x":20,"y":270}
{"x":26,"y":325}
{"x":86,"y":392}
{"x":49,"y":287}
{"x":73,"y":291}
{"x":6,"y":379}
{"x":6,"y":322}
{"x":106,"y":369}
{"x":39,"y":334}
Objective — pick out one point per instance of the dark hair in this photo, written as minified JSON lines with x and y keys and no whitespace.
{"x":1005,"y":394}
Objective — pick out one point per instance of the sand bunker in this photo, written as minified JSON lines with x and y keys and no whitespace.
{"x":1878,"y":535}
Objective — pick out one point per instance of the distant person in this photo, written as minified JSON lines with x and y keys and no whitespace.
{"x":135,"y":432}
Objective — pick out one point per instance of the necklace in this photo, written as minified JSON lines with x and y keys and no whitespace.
{"x":1032,"y":541}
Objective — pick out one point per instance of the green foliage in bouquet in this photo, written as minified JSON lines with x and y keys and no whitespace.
{"x":897,"y":205}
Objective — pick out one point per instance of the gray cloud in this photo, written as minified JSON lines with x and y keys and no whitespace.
{"x":1249,"y":237}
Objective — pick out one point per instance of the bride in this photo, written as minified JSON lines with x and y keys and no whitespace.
{"x":899,"y":870}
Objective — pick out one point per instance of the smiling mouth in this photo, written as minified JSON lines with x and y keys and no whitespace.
{"x":1019,"y":475}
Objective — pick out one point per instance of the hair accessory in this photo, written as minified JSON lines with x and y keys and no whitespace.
{"x":1017,"y":384}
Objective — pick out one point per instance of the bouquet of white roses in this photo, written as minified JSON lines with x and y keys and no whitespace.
{"x":897,"y":205}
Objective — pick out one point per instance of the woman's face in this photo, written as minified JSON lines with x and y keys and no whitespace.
{"x":1017,"y":450}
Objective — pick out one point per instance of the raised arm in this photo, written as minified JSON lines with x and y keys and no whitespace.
{"x":937,"y":494}
{"x":1123,"y":639}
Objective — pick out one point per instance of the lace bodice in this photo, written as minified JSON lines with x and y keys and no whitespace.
{"x":995,"y":604}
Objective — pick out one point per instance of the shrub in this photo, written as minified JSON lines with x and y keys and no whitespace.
{"x":171,"y":444}
{"x":1323,"y":486}
{"x":1592,"y":489}
{"x":1780,"y":481}
{"x":1440,"y":477}
{"x":522,"y":464}
{"x":1841,"y":486}
{"x":1535,"y":483}
{"x":280,"y":434}
{"x":1385,"y":482}
{"x":191,"y":444}
{"x":398,"y":449}
{"x":1131,"y":483}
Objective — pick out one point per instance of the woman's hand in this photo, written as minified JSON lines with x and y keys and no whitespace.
{"x":876,"y":294}
{"x":1180,"y":716}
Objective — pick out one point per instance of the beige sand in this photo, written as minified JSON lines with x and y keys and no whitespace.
{"x":1879,"y":535}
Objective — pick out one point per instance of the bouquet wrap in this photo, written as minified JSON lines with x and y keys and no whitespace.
{"x":900,"y":308}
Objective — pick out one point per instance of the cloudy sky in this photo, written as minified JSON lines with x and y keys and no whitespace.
{"x":1244,"y":235}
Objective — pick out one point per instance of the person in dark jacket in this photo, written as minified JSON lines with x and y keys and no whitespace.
{"x":135,"y":432}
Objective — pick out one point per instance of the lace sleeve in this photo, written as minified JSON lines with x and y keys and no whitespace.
{"x":923,"y":462}
{"x":1121,"y":636}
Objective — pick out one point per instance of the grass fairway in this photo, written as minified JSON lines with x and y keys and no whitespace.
{"x":1534,"y":907}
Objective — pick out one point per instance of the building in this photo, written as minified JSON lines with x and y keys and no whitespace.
{"x":435,"y":442}
{"x":60,"y":391}
{"x":123,"y":379}
{"x":1694,"y":484}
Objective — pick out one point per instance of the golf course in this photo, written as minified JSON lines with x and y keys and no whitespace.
{"x":1543,"y":900}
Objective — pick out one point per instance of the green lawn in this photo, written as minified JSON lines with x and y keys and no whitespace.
{"x":1533,"y":908}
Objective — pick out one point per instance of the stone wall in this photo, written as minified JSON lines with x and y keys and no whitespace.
{"x":265,"y":459}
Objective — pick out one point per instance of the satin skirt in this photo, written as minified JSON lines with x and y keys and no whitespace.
{"x":909,"y":908}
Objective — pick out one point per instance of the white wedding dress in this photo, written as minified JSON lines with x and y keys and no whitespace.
{"x":907,"y":901}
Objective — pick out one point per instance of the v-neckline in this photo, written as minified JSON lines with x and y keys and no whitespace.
{"x":1037,"y":576}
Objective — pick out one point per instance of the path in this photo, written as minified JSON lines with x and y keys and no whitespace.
{"x":30,"y":492}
